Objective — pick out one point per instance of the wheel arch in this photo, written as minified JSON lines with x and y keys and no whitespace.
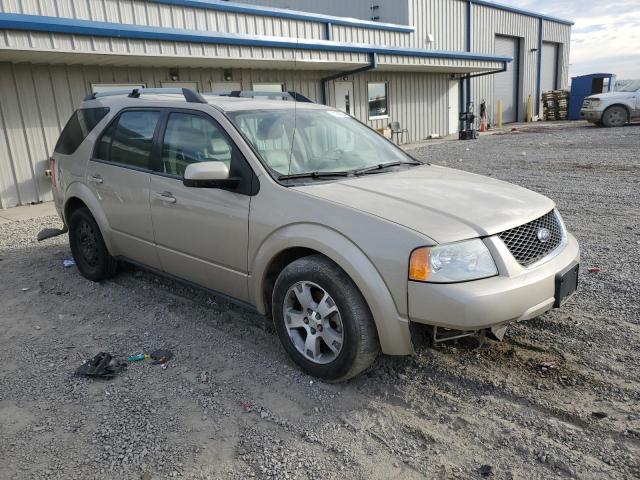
{"x":79,"y":195}
{"x":295,"y":241}
{"x":621,"y":105}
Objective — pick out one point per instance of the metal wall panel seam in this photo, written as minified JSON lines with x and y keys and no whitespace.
{"x":539,"y":72}
{"x":3,"y":123}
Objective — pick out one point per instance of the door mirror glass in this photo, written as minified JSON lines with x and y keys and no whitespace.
{"x":208,"y":175}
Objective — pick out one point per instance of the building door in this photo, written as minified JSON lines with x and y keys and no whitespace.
{"x":505,"y":84}
{"x":344,"y":97}
{"x":549,"y":73}
{"x":454,"y":106}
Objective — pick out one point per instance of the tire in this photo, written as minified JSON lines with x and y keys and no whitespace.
{"x":349,"y":326}
{"x":614,"y":117}
{"x":88,"y":248}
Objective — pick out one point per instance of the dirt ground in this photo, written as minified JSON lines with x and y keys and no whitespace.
{"x":558,"y":398}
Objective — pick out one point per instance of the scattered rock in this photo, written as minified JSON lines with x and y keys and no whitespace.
{"x":486,"y":471}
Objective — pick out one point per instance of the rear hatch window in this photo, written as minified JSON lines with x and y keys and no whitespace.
{"x":78,"y":127}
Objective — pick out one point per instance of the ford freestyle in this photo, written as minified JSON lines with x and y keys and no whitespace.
{"x":307,"y":215}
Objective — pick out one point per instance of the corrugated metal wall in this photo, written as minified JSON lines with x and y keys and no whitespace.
{"x":139,"y":12}
{"x":389,"y":11}
{"x":419,"y":101}
{"x":43,"y":41}
{"x":443,"y":19}
{"x":37,"y":100}
{"x":489,"y":22}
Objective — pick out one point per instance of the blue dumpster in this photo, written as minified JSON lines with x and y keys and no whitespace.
{"x":584,"y":86}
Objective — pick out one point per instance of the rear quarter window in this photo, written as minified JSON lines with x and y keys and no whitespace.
{"x":78,"y":127}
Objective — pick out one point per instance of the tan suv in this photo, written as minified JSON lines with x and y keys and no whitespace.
{"x":302,"y":212}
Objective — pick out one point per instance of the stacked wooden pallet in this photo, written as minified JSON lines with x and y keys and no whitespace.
{"x":555,"y":105}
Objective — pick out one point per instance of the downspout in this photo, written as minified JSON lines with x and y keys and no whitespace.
{"x":539,"y":72}
{"x":484,"y":74}
{"x":373,"y":65}
{"x":466,"y":99}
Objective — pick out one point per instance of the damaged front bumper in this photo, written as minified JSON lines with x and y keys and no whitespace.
{"x":516,"y":294}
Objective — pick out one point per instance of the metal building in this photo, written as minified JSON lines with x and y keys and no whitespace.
{"x":416,"y":62}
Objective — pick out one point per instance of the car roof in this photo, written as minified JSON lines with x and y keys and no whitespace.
{"x":177,"y":100}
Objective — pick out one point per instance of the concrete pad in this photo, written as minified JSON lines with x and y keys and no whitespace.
{"x":27,"y":211}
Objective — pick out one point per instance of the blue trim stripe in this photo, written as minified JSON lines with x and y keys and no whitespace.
{"x":528,"y":13}
{"x":16,"y":21}
{"x":224,"y":6}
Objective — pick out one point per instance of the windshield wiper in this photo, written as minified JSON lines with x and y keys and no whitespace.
{"x":314,"y":175}
{"x":382,"y":166}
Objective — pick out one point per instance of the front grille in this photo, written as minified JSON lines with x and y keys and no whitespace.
{"x":523,"y":241}
{"x":586,"y":104}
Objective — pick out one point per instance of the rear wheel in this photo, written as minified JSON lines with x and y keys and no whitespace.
{"x":88,"y":248}
{"x":322,"y":319}
{"x":614,"y":117}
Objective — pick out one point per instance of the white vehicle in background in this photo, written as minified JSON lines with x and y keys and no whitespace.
{"x":614,"y":109}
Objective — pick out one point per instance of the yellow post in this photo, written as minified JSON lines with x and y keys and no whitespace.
{"x":529,"y":109}
{"x":499,"y":113}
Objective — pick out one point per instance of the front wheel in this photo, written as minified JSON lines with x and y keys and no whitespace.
{"x":614,"y":117}
{"x":322,"y":319}
{"x":88,"y":248}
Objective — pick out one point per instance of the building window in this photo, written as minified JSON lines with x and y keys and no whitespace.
{"x":378,"y":93}
{"x":191,"y":85}
{"x":268,"y":87}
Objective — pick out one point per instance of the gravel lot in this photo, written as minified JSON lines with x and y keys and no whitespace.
{"x":559,"y":398}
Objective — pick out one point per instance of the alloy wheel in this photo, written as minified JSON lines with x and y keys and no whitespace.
{"x":313,"y":322}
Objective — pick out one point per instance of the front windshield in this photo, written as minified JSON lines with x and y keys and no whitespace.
{"x":630,"y":86}
{"x":324,"y":141}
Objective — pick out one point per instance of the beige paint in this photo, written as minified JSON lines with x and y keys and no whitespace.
{"x":368,"y":226}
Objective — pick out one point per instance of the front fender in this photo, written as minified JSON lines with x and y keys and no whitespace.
{"x":393,"y":329}
{"x":80,"y":191}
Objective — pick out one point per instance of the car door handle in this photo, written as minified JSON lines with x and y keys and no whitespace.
{"x":95,"y":179}
{"x":165,"y":197}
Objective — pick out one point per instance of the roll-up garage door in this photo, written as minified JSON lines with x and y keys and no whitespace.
{"x":549,"y":74}
{"x":506,"y":83}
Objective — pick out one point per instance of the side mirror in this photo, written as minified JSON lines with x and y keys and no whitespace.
{"x":209,"y":175}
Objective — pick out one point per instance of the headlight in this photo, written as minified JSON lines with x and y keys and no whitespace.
{"x":455,"y":262}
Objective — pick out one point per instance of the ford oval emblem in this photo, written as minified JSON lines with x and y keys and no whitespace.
{"x":544,"y":235}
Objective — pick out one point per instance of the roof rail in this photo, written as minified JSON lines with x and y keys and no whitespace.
{"x":189,"y":95}
{"x":250,"y":94}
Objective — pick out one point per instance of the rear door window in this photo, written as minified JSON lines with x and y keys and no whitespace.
{"x":81,"y":123}
{"x":129,"y":140}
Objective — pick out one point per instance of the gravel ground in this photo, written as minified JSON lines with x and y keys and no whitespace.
{"x":558,"y":398}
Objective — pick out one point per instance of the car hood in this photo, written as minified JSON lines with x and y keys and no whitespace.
{"x":444,"y":204}
{"x":613,"y":95}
